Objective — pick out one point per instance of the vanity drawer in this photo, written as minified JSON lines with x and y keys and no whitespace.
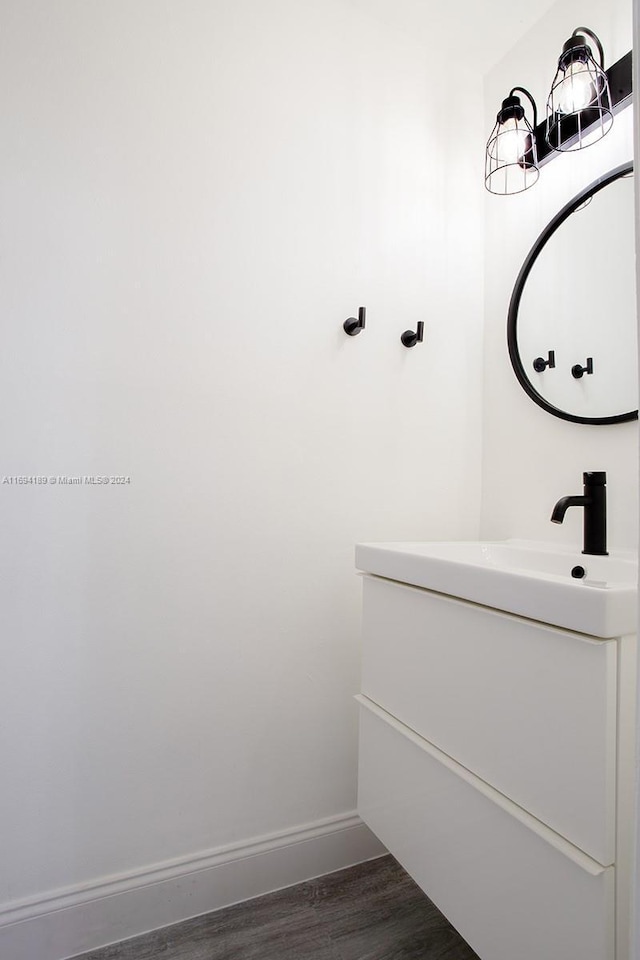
{"x":512,"y":887}
{"x":530,"y":709}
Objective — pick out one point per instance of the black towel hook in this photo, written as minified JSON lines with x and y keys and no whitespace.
{"x":409,"y":338}
{"x":351,"y":326}
{"x":540,"y":364}
{"x":577,"y":371}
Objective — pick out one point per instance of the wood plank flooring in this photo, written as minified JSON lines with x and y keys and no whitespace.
{"x":372,"y":911}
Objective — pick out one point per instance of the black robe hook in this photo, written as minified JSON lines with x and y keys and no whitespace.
{"x":352,"y":326}
{"x":409,"y":338}
{"x":578,"y":371}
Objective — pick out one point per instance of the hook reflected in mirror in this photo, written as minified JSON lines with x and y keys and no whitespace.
{"x":578,"y":371}
{"x":540,"y":364}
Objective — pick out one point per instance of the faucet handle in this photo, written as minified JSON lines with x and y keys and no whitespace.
{"x":595,"y":478}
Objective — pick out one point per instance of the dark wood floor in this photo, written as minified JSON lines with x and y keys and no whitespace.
{"x":372,"y":911}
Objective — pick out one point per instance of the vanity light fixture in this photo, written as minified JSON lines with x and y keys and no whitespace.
{"x":579,"y":110}
{"x":511,"y":160}
{"x":581,"y":106}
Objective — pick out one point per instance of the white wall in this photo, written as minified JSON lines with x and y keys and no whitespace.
{"x":635,"y":852}
{"x":530,"y":458}
{"x":194,"y":197}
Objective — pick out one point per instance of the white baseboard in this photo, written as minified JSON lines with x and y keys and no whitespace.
{"x":64,"y":923}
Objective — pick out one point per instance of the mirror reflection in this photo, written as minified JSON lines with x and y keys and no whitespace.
{"x":572,"y":322}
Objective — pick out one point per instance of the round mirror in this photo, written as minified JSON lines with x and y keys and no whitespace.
{"x":572,"y":329}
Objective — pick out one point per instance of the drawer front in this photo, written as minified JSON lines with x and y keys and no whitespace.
{"x":530,"y":709}
{"x":511,"y":887}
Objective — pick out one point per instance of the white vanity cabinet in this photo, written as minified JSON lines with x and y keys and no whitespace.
{"x":490,"y":766}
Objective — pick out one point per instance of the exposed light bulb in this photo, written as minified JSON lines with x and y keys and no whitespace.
{"x":577,"y":90}
{"x":512,"y":142}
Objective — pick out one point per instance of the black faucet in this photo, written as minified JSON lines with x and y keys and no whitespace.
{"x":594,"y":501}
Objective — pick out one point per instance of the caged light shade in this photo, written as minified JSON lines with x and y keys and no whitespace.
{"x":511,"y":161}
{"x":579,"y":110}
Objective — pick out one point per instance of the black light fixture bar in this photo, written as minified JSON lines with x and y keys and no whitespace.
{"x":620,"y":76}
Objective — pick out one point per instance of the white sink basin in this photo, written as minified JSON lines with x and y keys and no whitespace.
{"x":524,"y":577}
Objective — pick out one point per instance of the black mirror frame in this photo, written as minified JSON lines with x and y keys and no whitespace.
{"x":512,"y":317}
